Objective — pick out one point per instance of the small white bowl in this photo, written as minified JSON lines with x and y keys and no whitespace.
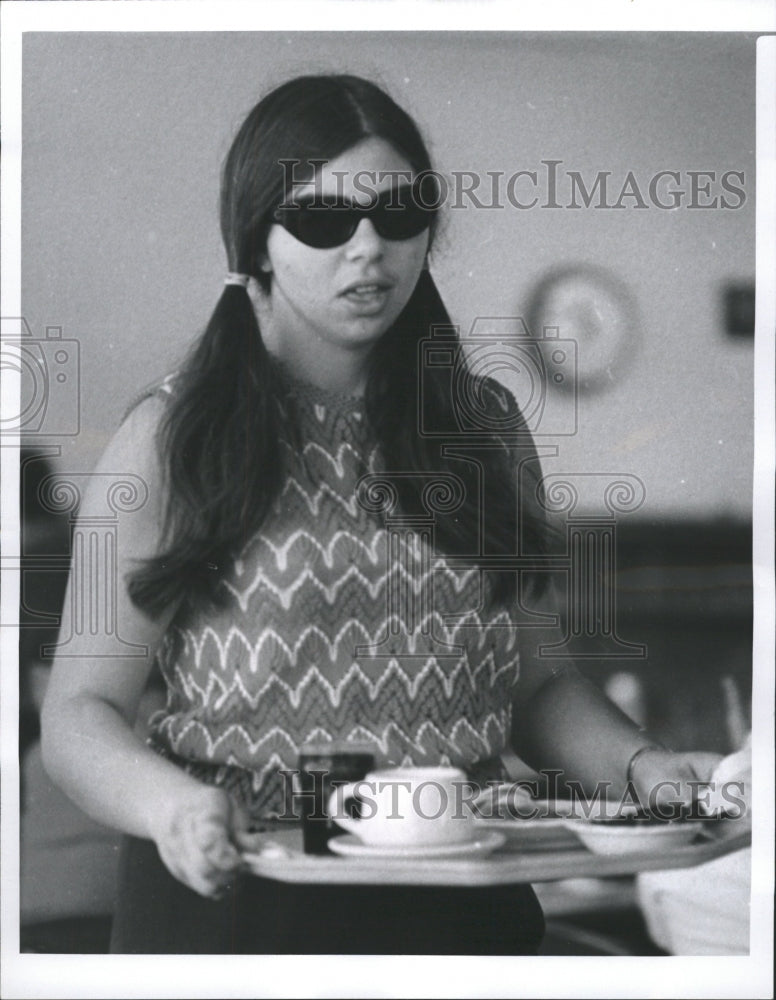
{"x":635,"y":837}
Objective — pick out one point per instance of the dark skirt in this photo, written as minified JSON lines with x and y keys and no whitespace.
{"x":158,"y":914}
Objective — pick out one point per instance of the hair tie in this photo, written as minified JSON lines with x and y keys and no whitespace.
{"x":235,"y":278}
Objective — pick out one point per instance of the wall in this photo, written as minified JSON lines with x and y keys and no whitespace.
{"x":123,"y":139}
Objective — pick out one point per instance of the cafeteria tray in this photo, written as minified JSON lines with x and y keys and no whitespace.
{"x":530,"y":854}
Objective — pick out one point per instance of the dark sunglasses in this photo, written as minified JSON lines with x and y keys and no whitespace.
{"x":398,"y":213}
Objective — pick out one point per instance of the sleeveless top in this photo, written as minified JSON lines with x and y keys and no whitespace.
{"x":340,"y":627}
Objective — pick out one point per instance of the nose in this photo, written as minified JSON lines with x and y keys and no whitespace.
{"x":365,"y":242}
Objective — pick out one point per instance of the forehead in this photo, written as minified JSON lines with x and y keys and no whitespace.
{"x":372,"y":164}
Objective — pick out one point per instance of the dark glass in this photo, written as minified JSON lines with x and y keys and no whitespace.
{"x":396,"y":214}
{"x":321,"y":770}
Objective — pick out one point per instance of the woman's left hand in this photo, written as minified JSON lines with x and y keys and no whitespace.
{"x":671,"y":784}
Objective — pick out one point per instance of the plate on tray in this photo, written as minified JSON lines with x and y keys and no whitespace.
{"x":350,"y":846}
{"x":635,"y":835}
{"x":550,"y":834}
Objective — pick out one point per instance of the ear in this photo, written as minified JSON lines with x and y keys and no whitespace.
{"x":264,"y":265}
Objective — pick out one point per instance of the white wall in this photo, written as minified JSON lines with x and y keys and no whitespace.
{"x":123,"y":139}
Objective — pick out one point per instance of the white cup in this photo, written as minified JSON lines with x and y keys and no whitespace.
{"x":407,"y":807}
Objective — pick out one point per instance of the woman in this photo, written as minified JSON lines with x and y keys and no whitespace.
{"x":256,"y":573}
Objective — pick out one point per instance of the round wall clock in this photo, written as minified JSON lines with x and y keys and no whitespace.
{"x":594,"y":313}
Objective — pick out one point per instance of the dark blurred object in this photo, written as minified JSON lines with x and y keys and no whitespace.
{"x":738,"y":303}
{"x":69,"y":936}
{"x":610,"y":932}
{"x":321,"y":769}
{"x":45,"y":549}
{"x":683,"y":589}
{"x":688,"y":595}
{"x":686,"y":570}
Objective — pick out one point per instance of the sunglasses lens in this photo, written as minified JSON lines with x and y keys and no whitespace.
{"x":401,"y":223}
{"x":321,"y":227}
{"x":407,"y":211}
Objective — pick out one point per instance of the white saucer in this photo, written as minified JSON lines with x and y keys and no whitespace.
{"x":635,"y":838}
{"x":349,"y":845}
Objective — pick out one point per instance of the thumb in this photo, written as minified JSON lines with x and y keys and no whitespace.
{"x":693,"y":771}
{"x":703,"y":763}
{"x":239,"y":820}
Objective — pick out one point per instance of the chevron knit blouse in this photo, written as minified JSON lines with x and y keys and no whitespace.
{"x":340,"y":625}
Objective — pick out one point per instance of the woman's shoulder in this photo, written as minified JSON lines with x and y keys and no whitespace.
{"x":142,"y":419}
{"x":164,"y":390}
{"x":134,"y":445}
{"x":131,"y":454}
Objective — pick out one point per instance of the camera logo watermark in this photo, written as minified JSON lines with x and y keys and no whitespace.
{"x":49,"y":380}
{"x":500,"y":348}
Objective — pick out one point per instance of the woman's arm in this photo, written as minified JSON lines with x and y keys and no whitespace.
{"x":562,"y":721}
{"x":89,"y":747}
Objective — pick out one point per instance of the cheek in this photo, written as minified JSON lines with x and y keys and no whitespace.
{"x":304,"y":276}
{"x":410,"y":258}
{"x":297,"y":266}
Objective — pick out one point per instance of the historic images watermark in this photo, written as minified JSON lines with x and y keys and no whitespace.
{"x":524,"y":800}
{"x":549,"y":185}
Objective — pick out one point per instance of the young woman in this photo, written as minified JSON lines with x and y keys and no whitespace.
{"x":257,"y":574}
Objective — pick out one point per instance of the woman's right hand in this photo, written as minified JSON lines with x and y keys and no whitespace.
{"x":196,"y":839}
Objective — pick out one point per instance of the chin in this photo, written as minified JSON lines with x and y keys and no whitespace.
{"x":369,"y":332}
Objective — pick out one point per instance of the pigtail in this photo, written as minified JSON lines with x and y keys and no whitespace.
{"x":222,"y":461}
{"x":405,"y":399}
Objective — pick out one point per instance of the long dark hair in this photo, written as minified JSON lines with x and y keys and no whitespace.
{"x":219,"y":437}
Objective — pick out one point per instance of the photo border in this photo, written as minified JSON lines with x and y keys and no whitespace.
{"x":251,"y":976}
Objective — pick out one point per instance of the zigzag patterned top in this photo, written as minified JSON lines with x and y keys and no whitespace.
{"x":337,"y":628}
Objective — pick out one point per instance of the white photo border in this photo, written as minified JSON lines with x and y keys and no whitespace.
{"x":249,"y":976}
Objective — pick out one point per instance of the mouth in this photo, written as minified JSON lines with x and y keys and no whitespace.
{"x":367,"y":293}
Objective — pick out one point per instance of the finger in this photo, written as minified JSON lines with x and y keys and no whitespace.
{"x":190,"y":874}
{"x":239,"y":820}
{"x":211,"y":837}
{"x":224,"y":857}
{"x":702,"y":763}
{"x":248,"y":840}
{"x":707,"y":763}
{"x":177,"y":862}
{"x":206,"y":887}
{"x":222,"y":854}
{"x":211,"y":879}
{"x":669,"y":798}
{"x":202,"y":858}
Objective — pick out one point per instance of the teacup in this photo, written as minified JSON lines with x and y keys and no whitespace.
{"x":407,"y":807}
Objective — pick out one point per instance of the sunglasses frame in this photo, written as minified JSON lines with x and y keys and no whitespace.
{"x":339,"y":218}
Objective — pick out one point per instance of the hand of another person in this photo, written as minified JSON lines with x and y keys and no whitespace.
{"x":196,"y":840}
{"x":670,"y":784}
